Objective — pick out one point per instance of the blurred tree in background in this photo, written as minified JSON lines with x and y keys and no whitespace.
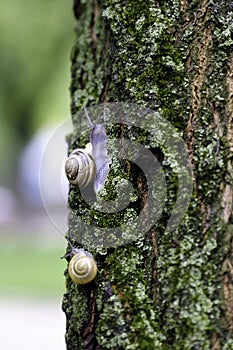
{"x":34,"y":67}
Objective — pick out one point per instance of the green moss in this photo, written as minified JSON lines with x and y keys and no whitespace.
{"x":190,"y":291}
{"x":75,"y":304}
{"x":168,"y":297}
{"x":131,"y":315}
{"x":145,"y":55}
{"x":88,"y":70}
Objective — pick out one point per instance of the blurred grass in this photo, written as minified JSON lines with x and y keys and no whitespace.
{"x":29,"y":271}
{"x":35,"y":42}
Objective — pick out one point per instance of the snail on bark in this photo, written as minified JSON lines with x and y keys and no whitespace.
{"x":92,"y":163}
{"x":82,"y":267}
{"x":80,"y":168}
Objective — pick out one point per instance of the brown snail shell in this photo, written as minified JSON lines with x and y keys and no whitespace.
{"x":80,"y":168}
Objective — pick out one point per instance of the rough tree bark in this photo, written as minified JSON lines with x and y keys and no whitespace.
{"x":170,"y":291}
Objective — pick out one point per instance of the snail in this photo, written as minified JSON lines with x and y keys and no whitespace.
{"x":92,"y":163}
{"x":82,"y":267}
{"x":80,"y":167}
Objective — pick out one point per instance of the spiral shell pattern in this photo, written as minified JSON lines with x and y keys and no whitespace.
{"x":82,"y":267}
{"x":80,"y":168}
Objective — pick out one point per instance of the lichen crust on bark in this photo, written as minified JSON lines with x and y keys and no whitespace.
{"x":166,"y":290}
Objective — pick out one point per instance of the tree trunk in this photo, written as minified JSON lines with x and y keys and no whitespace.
{"x":165,"y":289}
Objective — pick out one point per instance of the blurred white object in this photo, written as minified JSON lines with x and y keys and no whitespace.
{"x":43,"y":183}
{"x":7,"y":204}
{"x":36,"y":325}
{"x":41,"y":170}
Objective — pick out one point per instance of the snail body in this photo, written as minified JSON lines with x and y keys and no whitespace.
{"x":80,"y":168}
{"x":82,"y":267}
{"x":91,"y":164}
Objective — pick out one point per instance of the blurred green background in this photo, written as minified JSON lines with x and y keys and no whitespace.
{"x":35,"y":43}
